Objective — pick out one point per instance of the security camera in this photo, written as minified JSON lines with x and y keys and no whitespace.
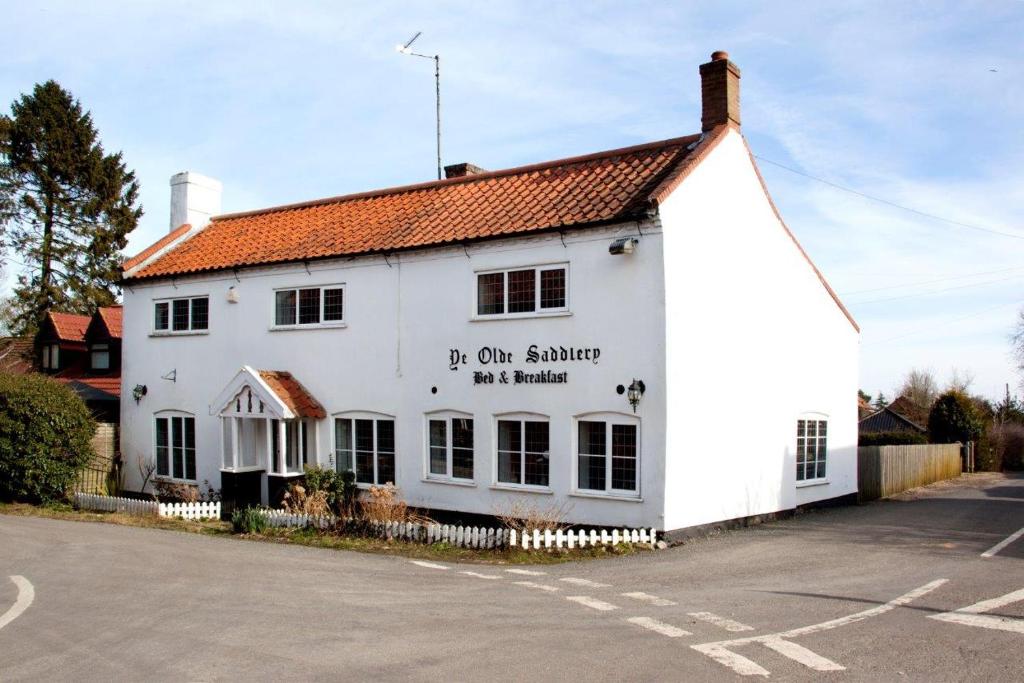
{"x":623,"y":245}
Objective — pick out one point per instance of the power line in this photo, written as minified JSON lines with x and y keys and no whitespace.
{"x":945,"y":324}
{"x":930,"y":282}
{"x":892,"y":204}
{"x":935,"y":291}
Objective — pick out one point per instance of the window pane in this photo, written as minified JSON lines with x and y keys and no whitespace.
{"x":521,"y":291}
{"x":100,"y":358}
{"x":462,"y":448}
{"x":46,"y":357}
{"x":821,"y":468}
{"x":801,"y":427}
{"x":799,"y":471}
{"x":181,"y":314}
{"x":284,"y":307}
{"x":552,"y":288}
{"x":535,"y":458}
{"x":364,"y":451}
{"x":309,"y":306}
{"x":592,"y":438}
{"x":200,"y":313}
{"x":438,"y":447}
{"x":162,"y":448}
{"x":343,"y":445}
{"x":592,"y":472}
{"x":177,"y":448}
{"x":624,"y":457}
{"x":591,"y":463}
{"x":190,"y":447}
{"x":822,"y":428}
{"x":509,"y":452}
{"x":334,"y":305}
{"x":385,"y":451}
{"x":161,"y":316}
{"x":490,"y":294}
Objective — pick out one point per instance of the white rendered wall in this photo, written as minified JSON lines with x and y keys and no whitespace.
{"x":753,"y":341}
{"x":402,"y":320}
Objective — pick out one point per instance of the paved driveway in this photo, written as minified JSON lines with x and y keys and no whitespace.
{"x":890,"y":590}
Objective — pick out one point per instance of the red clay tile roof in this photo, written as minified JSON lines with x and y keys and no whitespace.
{"x":16,"y":355}
{"x":294,"y":395}
{"x":156,"y":246}
{"x":112,"y":319}
{"x":605,"y":187}
{"x":69,"y":326}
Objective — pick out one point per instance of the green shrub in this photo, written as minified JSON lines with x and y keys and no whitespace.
{"x":45,"y":434}
{"x":339,"y":487}
{"x":251,"y":520}
{"x":891,"y":439}
{"x":955,"y":417}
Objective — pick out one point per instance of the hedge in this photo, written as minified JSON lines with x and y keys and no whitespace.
{"x":891,"y":439}
{"x":45,"y":434}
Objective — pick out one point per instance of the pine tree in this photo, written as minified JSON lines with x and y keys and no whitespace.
{"x":67,"y":206}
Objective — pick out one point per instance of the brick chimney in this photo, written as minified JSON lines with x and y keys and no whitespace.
{"x":462,"y":170}
{"x":719,"y":92}
{"x":194,"y":199}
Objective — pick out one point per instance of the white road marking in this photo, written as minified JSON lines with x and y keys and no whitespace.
{"x":592,"y":603}
{"x":428,"y":565}
{"x":738,"y":663}
{"x":537,"y":586}
{"x":801,"y":654}
{"x":721,"y":622}
{"x":481,"y":576}
{"x":26,"y":594}
{"x":584,"y":582}
{"x":991,"y":552}
{"x":658,"y":627}
{"x":525,"y":572}
{"x":974,"y":615}
{"x":720,"y":652}
{"x":652,"y":599}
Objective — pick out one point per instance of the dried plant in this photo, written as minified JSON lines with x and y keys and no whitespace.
{"x":147,"y":467}
{"x":297,"y":501}
{"x":383,"y":504}
{"x":527,"y":515}
{"x":173,"y":490}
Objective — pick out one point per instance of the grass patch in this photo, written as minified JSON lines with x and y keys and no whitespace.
{"x":315,"y":538}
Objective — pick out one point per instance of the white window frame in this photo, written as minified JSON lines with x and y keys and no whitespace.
{"x":103,"y":348}
{"x":522,"y":418}
{"x":310,"y":326}
{"x":352,"y":416}
{"x":537,"y":311}
{"x":447,"y":416}
{"x":610,"y":419}
{"x":292,"y":442}
{"x":51,"y":356}
{"x":169,"y":331}
{"x":810,"y":417}
{"x":169,"y":415}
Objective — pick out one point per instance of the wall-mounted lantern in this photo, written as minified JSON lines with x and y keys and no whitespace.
{"x":139,"y":391}
{"x":623,"y":245}
{"x":232,"y":295}
{"x":635,"y":391}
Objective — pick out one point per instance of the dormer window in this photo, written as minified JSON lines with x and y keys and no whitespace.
{"x":522,"y":292}
{"x":99,"y":356}
{"x":51,"y":357}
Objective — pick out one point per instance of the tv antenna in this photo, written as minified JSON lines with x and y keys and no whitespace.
{"x":406,"y":50}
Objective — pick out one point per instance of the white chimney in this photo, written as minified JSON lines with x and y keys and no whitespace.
{"x":194,"y":199}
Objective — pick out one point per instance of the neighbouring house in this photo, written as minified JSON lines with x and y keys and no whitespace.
{"x":16,"y":355}
{"x":900,"y":416}
{"x":575,"y":332}
{"x":84,"y":352}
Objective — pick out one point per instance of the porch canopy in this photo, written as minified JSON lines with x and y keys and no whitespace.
{"x":266,"y":418}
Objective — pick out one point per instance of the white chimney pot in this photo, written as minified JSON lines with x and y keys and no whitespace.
{"x":194,"y":199}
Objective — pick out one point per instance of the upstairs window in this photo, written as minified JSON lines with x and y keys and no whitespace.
{"x":811,"y":449}
{"x":182,"y":316}
{"x":309,"y":306}
{"x":522,"y":291}
{"x":99,"y":356}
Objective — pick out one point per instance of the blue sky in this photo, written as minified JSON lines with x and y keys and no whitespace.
{"x":919,"y":103}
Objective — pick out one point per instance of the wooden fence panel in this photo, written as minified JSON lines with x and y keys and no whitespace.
{"x":887,"y":470}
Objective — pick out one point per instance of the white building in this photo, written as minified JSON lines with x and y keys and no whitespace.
{"x":474,"y":340}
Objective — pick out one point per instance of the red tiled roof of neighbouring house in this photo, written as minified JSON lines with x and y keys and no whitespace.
{"x":105,"y":385}
{"x":598,"y":188}
{"x":112,"y":319}
{"x":293,"y":394}
{"x":156,"y":246}
{"x":69,"y":326}
{"x":16,"y":355}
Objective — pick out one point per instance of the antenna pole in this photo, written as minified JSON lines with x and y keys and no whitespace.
{"x":437,"y":84}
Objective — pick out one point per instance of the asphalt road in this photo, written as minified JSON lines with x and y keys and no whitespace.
{"x":856,"y":593}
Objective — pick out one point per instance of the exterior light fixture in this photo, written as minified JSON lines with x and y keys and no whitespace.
{"x":139,"y":391}
{"x":232,"y":295}
{"x":623,"y":245}
{"x":635,"y":391}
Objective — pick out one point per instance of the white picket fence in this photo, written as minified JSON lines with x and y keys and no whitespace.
{"x":478,"y":537}
{"x":131,"y":506}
